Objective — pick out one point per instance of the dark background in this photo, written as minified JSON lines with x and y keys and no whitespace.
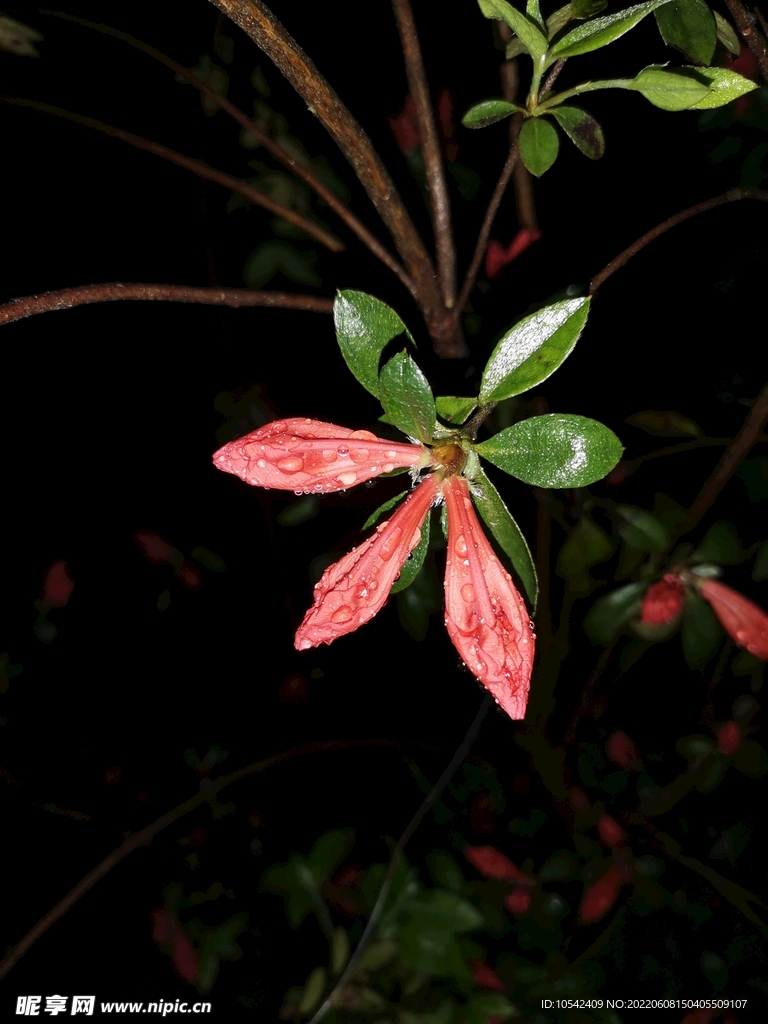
{"x":110,"y":414}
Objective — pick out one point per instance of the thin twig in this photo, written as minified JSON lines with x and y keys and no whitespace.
{"x":258,"y":22}
{"x":413,"y":824}
{"x":522,"y":182}
{"x":745,"y":23}
{"x":146,"y":835}
{"x":202,"y":170}
{"x":85,"y":294}
{"x":433,"y":157}
{"x":277,"y":151}
{"x":485,"y":230}
{"x":731,"y":459}
{"x":617,"y":262}
{"x":551,"y":78}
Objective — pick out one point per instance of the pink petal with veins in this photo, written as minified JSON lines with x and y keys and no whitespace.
{"x":742,"y":619}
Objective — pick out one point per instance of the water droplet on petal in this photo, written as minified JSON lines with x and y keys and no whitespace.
{"x":343,"y":614}
{"x":390,"y":544}
{"x":363,"y":435}
{"x":460,"y":547}
{"x":343,"y":450}
{"x":468,"y":593}
{"x":299,"y":492}
{"x":329,"y":455}
{"x":391,"y":454}
{"x":359,"y":454}
{"x":415,"y":538}
{"x":347,"y":479}
{"x":387,"y":467}
{"x":291,"y":464}
{"x":373,"y":585}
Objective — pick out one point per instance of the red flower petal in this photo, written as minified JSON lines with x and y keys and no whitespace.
{"x":307,"y":455}
{"x":497,"y":257}
{"x":662,"y":601}
{"x":486,"y":977}
{"x":729,"y":737}
{"x":600,"y":897}
{"x":622,"y":751}
{"x":742,"y":620}
{"x":486,"y":617}
{"x":519,"y":901}
{"x":494,"y":864}
{"x":609,"y":830}
{"x":57,"y":585}
{"x":353,"y":589}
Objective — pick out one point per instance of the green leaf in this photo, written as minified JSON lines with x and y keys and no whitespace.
{"x":664,"y":424}
{"x":407,"y":397}
{"x":375,"y":516}
{"x":607,"y":615}
{"x":538,"y":145}
{"x":447,"y":910}
{"x":454,"y":410}
{"x":339,"y":950}
{"x":671,"y":88}
{"x":586,"y":545}
{"x":724,"y":86}
{"x":506,"y":532}
{"x":720,"y":545}
{"x":640,"y":529}
{"x":557,"y":450}
{"x":582,"y":129}
{"x":700,"y":631}
{"x":726,"y":33}
{"x":533,"y":349}
{"x":760,"y":568}
{"x":414,"y":562}
{"x":483,"y":1005}
{"x":559,"y":19}
{"x":582,"y":9}
{"x":534,"y":39}
{"x":689,"y":26}
{"x":488,"y":112}
{"x":364,"y":327}
{"x":592,"y":35}
{"x":313,"y":992}
{"x":329,"y":851}
{"x":445,"y":872}
{"x":533,"y":11}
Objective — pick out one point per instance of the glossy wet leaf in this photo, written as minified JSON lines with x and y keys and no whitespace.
{"x":599,"y":32}
{"x":533,"y":11}
{"x":506,"y":532}
{"x":407,"y":397}
{"x":364,"y":327}
{"x":488,"y":112}
{"x":539,"y":145}
{"x":689,"y":26}
{"x":641,"y":529}
{"x":374,"y":517}
{"x":534,"y":39}
{"x":414,"y":562}
{"x":453,"y":409}
{"x":557,"y":450}
{"x":533,"y":349}
{"x":608,"y":614}
{"x":671,"y":88}
{"x":582,"y":129}
{"x":700,"y":631}
{"x":724,"y":87}
{"x":727,"y":34}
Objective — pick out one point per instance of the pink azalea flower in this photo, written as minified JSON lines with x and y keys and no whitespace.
{"x":743,"y":621}
{"x":309,"y":456}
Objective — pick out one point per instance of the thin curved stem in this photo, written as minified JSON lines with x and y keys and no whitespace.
{"x":85,"y":294}
{"x":433,"y":157}
{"x":202,"y":170}
{"x":277,"y":151}
{"x":143,"y":837}
{"x":413,"y":824}
{"x":732,"y":196}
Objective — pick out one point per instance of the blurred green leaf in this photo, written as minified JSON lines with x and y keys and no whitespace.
{"x":412,"y":565}
{"x":407,"y":397}
{"x":689,"y":26}
{"x":483,"y":1005}
{"x":313,"y":992}
{"x":299,"y":511}
{"x":275,"y":257}
{"x":378,"y":955}
{"x":671,"y":88}
{"x":446,"y":910}
{"x":339,"y":950}
{"x":329,"y":851}
{"x":664,"y":424}
{"x":760,"y":568}
{"x":701,"y":632}
{"x":533,"y":38}
{"x":727,"y":34}
{"x":364,"y":327}
{"x":586,"y":545}
{"x":608,"y":614}
{"x":750,"y":759}
{"x":599,"y":32}
{"x":488,"y":112}
{"x":724,"y":86}
{"x":556,"y":450}
{"x":390,"y":503}
{"x":445,"y":871}
{"x":455,"y":410}
{"x":533,"y":349}
{"x":641,"y":529}
{"x":506,"y":532}
{"x":539,"y":145}
{"x":582,"y":129}
{"x":560,"y":866}
{"x":720,"y":545}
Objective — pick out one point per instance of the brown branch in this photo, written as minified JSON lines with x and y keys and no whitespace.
{"x":551,"y":78}
{"x":731,"y":459}
{"x":745,"y":23}
{"x":258,"y":22}
{"x":146,"y":835}
{"x":617,"y":262}
{"x":485,"y":230}
{"x":196,"y":166}
{"x":433,"y":157}
{"x":29,"y":305}
{"x":277,"y":151}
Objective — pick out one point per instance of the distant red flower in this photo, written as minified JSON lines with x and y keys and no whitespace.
{"x":518,"y":902}
{"x":405,"y":127}
{"x":497,"y":257}
{"x":609,"y":830}
{"x":57,"y":585}
{"x":662,"y":601}
{"x":494,"y":864}
{"x":729,"y":737}
{"x":157,"y":550}
{"x":486,"y":977}
{"x":622,"y":751}
{"x":743,"y":621}
{"x":169,"y":935}
{"x":600,"y":896}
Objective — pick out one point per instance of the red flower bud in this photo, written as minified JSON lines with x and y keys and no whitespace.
{"x":600,"y":896}
{"x":743,"y":621}
{"x":622,"y":751}
{"x":57,"y":585}
{"x":497,"y":257}
{"x":662,"y":601}
{"x":729,"y":737}
{"x":486,"y":977}
{"x":494,"y":864}
{"x":609,"y":830}
{"x":519,"y":901}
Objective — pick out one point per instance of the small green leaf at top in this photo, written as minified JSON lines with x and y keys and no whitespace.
{"x":583,"y":9}
{"x":599,"y":32}
{"x":506,"y":532}
{"x":374,"y":517}
{"x":689,"y":26}
{"x":726,"y":33}
{"x":582,"y":129}
{"x":671,"y":88}
{"x":412,"y":565}
{"x":488,"y":112}
{"x":407,"y":397}
{"x":364,"y":327}
{"x":557,"y":450}
{"x":529,"y":33}
{"x":724,"y":86}
{"x":539,"y":145}
{"x":455,"y":410}
{"x":533,"y":11}
{"x":533,"y":349}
